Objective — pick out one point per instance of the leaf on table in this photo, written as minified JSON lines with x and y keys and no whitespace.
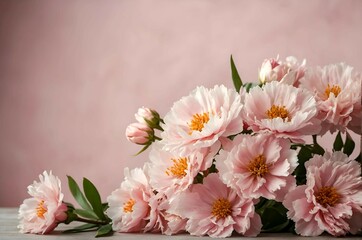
{"x":104,"y":230}
{"x":82,"y":228}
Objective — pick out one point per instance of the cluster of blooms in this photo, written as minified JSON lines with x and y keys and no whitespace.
{"x":225,"y":159}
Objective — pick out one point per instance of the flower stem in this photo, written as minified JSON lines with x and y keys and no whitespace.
{"x":98,"y":222}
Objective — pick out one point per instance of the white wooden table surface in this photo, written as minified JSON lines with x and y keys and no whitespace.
{"x":9,"y":222}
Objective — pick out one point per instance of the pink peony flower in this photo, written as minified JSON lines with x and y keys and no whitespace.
{"x":45,"y":210}
{"x":161,"y":220}
{"x":258,"y":166}
{"x":169,"y":173}
{"x":289,"y":72}
{"x":214,"y":209}
{"x":201,"y":118}
{"x":282,"y":110}
{"x":337,"y":89}
{"x":138,"y":133}
{"x":128,"y":205}
{"x":331,"y":200}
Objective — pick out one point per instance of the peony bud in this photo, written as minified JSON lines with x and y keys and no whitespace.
{"x":150,"y":117}
{"x":271,"y":70}
{"x":139,"y":133}
{"x":144,"y":114}
{"x":288,"y":71}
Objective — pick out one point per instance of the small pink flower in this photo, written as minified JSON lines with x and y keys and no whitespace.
{"x":258,"y":166}
{"x":289,"y":72}
{"x":138,"y":133}
{"x":201,"y":118}
{"x":170,"y":173}
{"x":337,"y":89}
{"x":214,"y":209}
{"x":282,"y":110}
{"x":331,"y":200}
{"x":45,"y":210}
{"x":128,"y":205}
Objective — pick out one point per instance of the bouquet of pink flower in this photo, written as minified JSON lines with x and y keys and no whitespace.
{"x":223,"y":161}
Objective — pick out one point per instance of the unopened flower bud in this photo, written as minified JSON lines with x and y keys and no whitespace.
{"x":139,"y":133}
{"x":271,"y":70}
{"x":144,"y":114}
{"x":149,"y":117}
{"x":288,"y":71}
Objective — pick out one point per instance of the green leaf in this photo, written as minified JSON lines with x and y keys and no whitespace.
{"x":77,"y":194}
{"x":235,"y":75}
{"x":304,"y":155}
{"x":274,"y":217}
{"x":82,"y":228}
{"x":263,"y":204}
{"x":348,"y":145}
{"x":104,"y":230}
{"x":143,"y":149}
{"x":86,"y":213}
{"x":105,"y":206}
{"x":316,"y":147}
{"x":199,"y":178}
{"x":338,"y":142}
{"x":94,"y":198}
{"x":359,"y":159}
{"x":249,"y":86}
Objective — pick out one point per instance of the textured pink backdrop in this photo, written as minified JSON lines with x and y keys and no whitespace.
{"x":74,"y":73}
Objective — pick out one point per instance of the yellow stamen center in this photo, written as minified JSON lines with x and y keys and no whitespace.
{"x":335,"y":89}
{"x":40,"y":209}
{"x":198,"y":121}
{"x":221,"y":208}
{"x":178,"y":169}
{"x":258,"y":166}
{"x":128,"y":206}
{"x":327,"y":196}
{"x":278,"y":112}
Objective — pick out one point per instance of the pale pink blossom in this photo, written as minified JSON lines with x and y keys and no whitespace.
{"x":129,"y":205}
{"x":44,"y":210}
{"x":198,"y":120}
{"x":289,"y":71}
{"x":258,"y":166}
{"x":161,"y":220}
{"x":138,"y":133}
{"x":170,"y":173}
{"x":214,"y":209}
{"x":337,"y":89}
{"x":331,"y":200}
{"x":282,"y":110}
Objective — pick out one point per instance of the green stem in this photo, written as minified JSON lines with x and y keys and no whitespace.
{"x":98,"y":222}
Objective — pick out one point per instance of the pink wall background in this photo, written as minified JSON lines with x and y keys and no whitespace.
{"x":74,"y":73}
